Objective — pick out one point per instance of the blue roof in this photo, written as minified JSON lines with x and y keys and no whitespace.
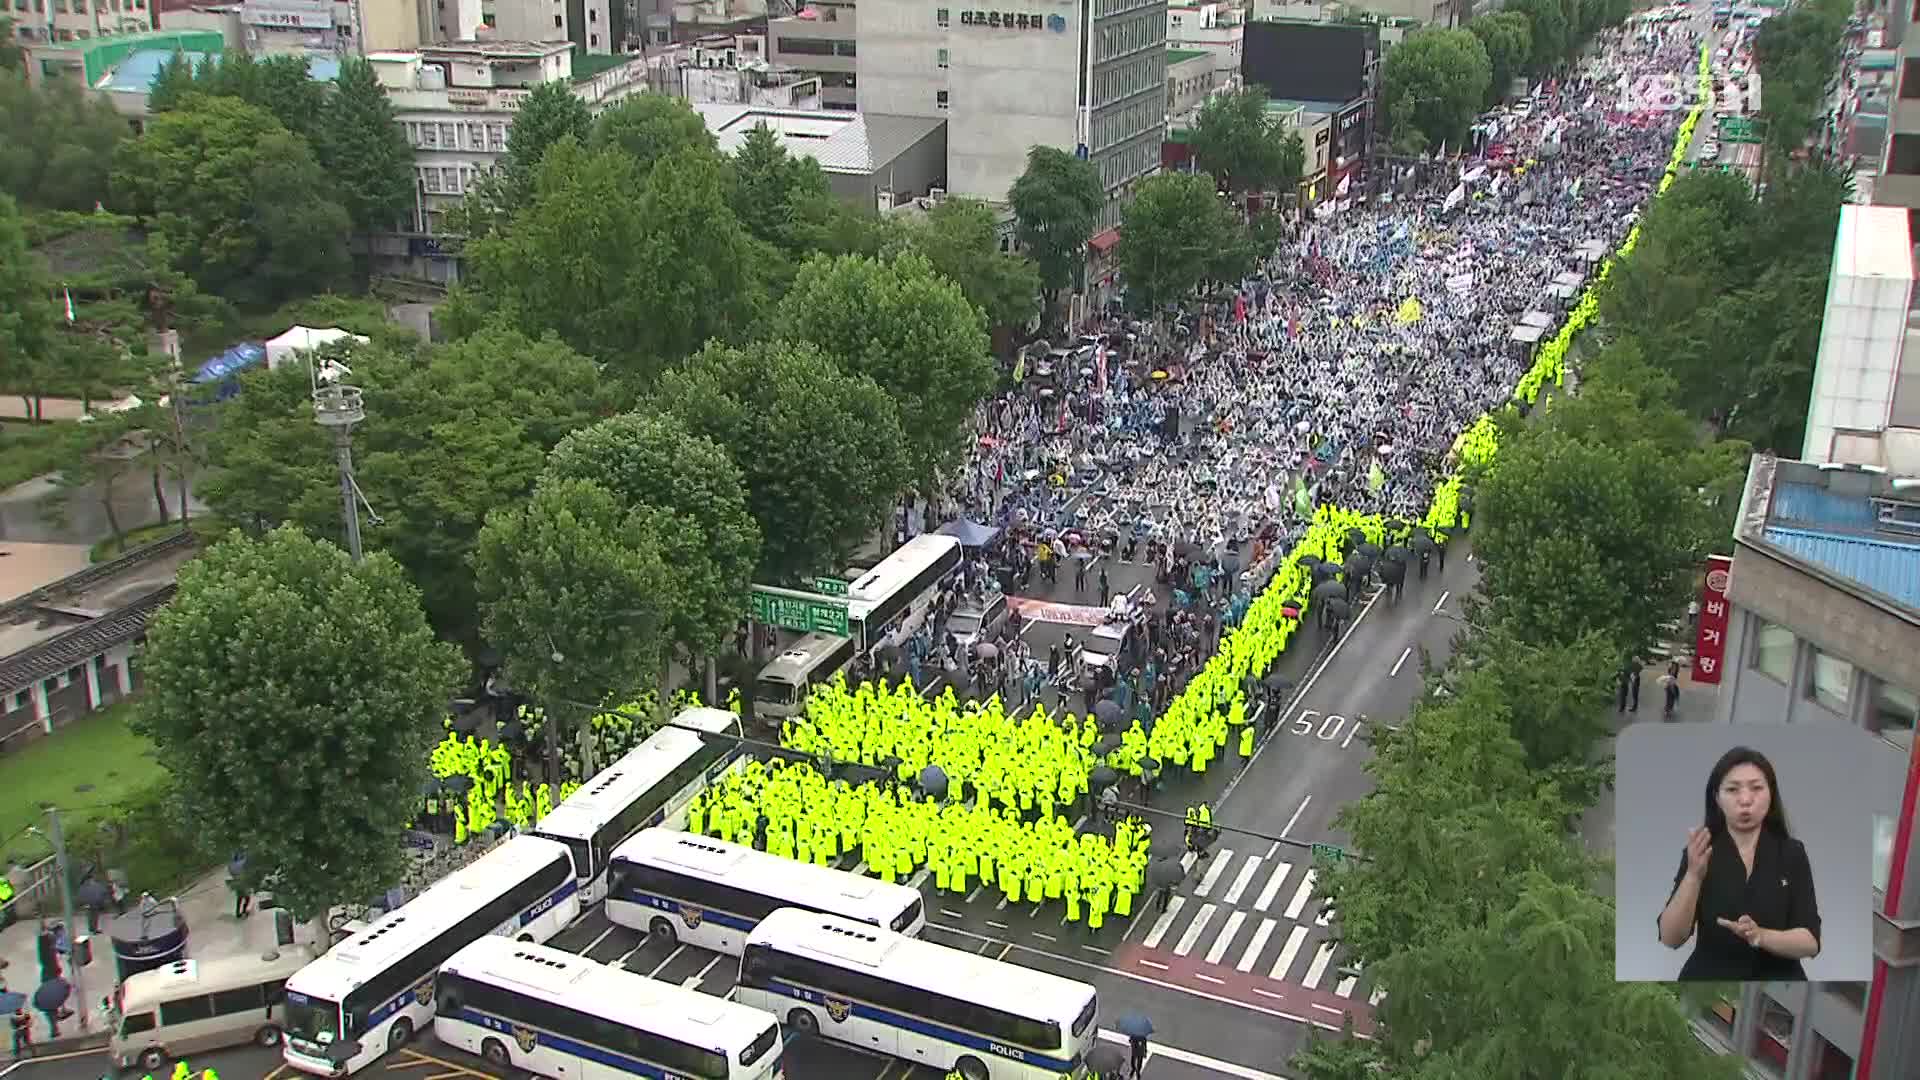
{"x":1796,"y":503}
{"x":231,"y":363}
{"x":1884,"y":565}
{"x":138,"y":71}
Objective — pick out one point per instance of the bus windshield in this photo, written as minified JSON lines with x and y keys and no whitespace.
{"x":311,"y":1019}
{"x":963,"y":622}
{"x":775,"y":692}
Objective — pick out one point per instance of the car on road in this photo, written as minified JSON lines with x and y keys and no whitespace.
{"x":1104,"y":646}
{"x":973,"y":623}
{"x":1710,"y":151}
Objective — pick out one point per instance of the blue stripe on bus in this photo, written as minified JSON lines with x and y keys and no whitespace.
{"x":917,"y":1026}
{"x":413,"y":993}
{"x":681,"y":908}
{"x":515,"y":1031}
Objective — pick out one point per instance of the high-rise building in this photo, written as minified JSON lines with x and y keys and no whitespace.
{"x":1086,"y":76}
{"x":592,"y":26}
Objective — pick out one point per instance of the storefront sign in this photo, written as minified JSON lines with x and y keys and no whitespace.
{"x":1710,"y":644}
{"x":1320,"y":137}
{"x":1351,"y":120}
{"x":1014,"y":20}
{"x":460,"y":96}
{"x":317,"y":17}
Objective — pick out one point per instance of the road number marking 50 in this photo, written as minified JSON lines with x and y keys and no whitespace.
{"x":1327,"y":726}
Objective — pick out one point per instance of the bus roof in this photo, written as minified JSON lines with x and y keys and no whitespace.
{"x":897,"y":569}
{"x":612,"y":993}
{"x":446,"y":902}
{"x":995,"y":983}
{"x":615,"y":787}
{"x":183,"y":977}
{"x":737,"y":865}
{"x":804,"y":655}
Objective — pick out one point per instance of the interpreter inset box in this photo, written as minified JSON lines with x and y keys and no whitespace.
{"x":1743,"y":853}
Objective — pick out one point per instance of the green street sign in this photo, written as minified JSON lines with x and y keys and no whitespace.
{"x":1332,"y":853}
{"x":829,"y":586}
{"x":797,"y":612}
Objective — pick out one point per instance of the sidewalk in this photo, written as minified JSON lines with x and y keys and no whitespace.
{"x":212,"y":932}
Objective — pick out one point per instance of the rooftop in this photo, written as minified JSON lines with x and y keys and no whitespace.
{"x":50,"y":628}
{"x":1181,"y":56}
{"x":157,"y":38}
{"x":1317,"y":108}
{"x":856,"y":144}
{"x":498,"y":50}
{"x":138,"y":71}
{"x":1858,"y":527}
{"x":1872,"y":242}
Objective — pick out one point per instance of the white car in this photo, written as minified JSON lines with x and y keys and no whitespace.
{"x":1710,"y":151}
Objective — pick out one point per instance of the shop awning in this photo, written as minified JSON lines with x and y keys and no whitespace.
{"x":1104,"y":240}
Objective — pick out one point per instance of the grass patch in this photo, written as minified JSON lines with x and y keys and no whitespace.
{"x":204,"y":525}
{"x":30,"y":450}
{"x":98,"y":750}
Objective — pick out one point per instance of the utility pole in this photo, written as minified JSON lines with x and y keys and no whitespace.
{"x":338,"y":408}
{"x":75,"y":939}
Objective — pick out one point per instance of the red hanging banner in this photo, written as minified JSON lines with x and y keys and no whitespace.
{"x":1710,"y":643}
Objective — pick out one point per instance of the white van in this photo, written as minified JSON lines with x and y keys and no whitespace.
{"x":976,"y":622}
{"x":192,"y":1006}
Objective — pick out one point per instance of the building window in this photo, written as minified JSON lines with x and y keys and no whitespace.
{"x":1895,"y":710}
{"x":76,"y":673}
{"x":1883,"y":830}
{"x":940,"y":99}
{"x":1773,"y":651}
{"x":1830,"y":682}
{"x":593,"y":39}
{"x":476,"y":135}
{"x":450,"y":178}
{"x":943,"y":17}
{"x":940,"y":57}
{"x":1721,"y":1017}
{"x":497,"y":138}
{"x":431,"y":177}
{"x":1829,"y":1061}
{"x":593,"y":16}
{"x":557,"y":24}
{"x":429,"y":136}
{"x":1772,"y":1037}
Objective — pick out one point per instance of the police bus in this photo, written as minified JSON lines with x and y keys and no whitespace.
{"x":887,"y":604}
{"x":552,"y":1013}
{"x":370,"y":994}
{"x":650,"y":785}
{"x":781,"y":690}
{"x":947,"y":1008}
{"x":679,"y":886}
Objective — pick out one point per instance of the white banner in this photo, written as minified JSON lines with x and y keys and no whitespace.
{"x":1460,"y":284}
{"x":1457,"y":196}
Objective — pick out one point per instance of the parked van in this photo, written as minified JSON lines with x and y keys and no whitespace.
{"x":972,"y":622}
{"x":191,"y":1006}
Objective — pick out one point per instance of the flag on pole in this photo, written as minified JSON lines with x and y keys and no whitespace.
{"x":1019,"y":366}
{"x":69,"y":295}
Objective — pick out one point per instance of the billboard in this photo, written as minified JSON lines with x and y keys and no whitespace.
{"x":1308,"y":61}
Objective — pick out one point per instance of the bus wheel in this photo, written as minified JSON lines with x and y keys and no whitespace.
{"x":664,"y":930}
{"x":397,"y":1037}
{"x":268,"y":1036}
{"x":496,"y":1054}
{"x":525,"y":939}
{"x":972,"y":1068}
{"x":803,"y":1022}
{"x":153,"y":1059}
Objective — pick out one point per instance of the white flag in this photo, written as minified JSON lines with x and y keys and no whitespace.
{"x":69,"y":295}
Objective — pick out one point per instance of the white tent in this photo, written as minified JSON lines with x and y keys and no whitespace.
{"x":300,"y":339}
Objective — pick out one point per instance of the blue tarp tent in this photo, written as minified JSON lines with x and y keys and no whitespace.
{"x":224,"y":370}
{"x":970,"y":533}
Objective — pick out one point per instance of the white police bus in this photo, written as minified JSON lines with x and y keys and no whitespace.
{"x":926,"y":1003}
{"x":552,"y":1013}
{"x":650,"y":785}
{"x":782,"y":687}
{"x":889,"y":602}
{"x":370,"y":994}
{"x":677,"y":886}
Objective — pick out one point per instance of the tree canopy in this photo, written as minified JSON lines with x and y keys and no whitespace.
{"x":1244,"y":146}
{"x":961,"y":238}
{"x":57,"y":143}
{"x":1175,"y":234}
{"x":363,"y":150}
{"x":651,"y":128}
{"x":1508,"y":39}
{"x":297,"y":693}
{"x":1436,"y":81}
{"x":1056,"y":202}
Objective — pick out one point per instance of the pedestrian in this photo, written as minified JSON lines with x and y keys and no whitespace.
{"x":1105,"y":590}
{"x":1670,"y":684}
{"x":239,"y":881}
{"x":1137,"y":1047}
{"x":1080,"y":575}
{"x":22,"y":1033}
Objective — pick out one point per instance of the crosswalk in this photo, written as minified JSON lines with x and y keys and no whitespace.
{"x":1257,"y":914}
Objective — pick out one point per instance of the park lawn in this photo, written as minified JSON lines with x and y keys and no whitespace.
{"x":100,"y":750}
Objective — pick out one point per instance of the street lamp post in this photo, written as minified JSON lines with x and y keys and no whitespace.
{"x":338,"y":408}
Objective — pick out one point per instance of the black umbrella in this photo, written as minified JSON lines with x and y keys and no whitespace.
{"x":1329,"y":590}
{"x":1108,"y":743}
{"x":1357,"y":566}
{"x":1339,"y":609}
{"x":459,"y":783}
{"x":1394,"y":571}
{"x":431,"y":788}
{"x":1102,"y":777}
{"x":1151,"y":765}
{"x":93,"y":893}
{"x":1325,"y":571}
{"x":1356,"y":537}
{"x":52,"y":994}
{"x":1466,"y":502}
{"x":1370,"y":549}
{"x":890,"y":764}
{"x":1134,"y":1025}
{"x":1109,"y":714}
{"x":1278,"y":683}
{"x":1398,"y":553}
{"x":1168,"y":843}
{"x":11,"y":1001}
{"x":856,"y":775}
{"x":933,"y":781}
{"x":1107,"y":1059}
{"x":1309,"y":560}
{"x":1423,"y":541}
{"x":1163,"y":872}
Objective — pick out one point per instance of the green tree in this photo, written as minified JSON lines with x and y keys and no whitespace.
{"x":452,"y":432}
{"x":1445,"y":75}
{"x":652,"y":460}
{"x":307,"y":746}
{"x":12,"y":56}
{"x":821,"y":450}
{"x":1346,"y":1058}
{"x":781,"y":199}
{"x":1172,"y":237}
{"x":57,"y":143}
{"x":1508,"y":40}
{"x":909,"y":330}
{"x":171,"y":84}
{"x":651,"y":128}
{"x":1241,"y":144}
{"x":961,"y":238}
{"x":1056,"y":203}
{"x":577,"y":592}
{"x":285,"y":87}
{"x":1550,"y":32}
{"x":550,"y":113}
{"x":27,"y":318}
{"x":1558,"y":695}
{"x":634,"y":272}
{"x":364,"y":152}
{"x":238,"y":199}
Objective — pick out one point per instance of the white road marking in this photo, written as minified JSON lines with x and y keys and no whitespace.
{"x":919,"y":876}
{"x":1301,"y":896}
{"x":1295,"y":819}
{"x":1164,"y":923}
{"x":1347,"y":983}
{"x":1374,"y":999}
{"x":1257,"y":945}
{"x":1225,"y":941}
{"x":1325,"y":918}
{"x":1220,"y":861}
{"x":1274,"y":882}
{"x":1194,"y":930}
{"x":1398,"y":664}
{"x":1187,"y":861}
{"x":656,"y":971}
{"x":1442,"y":602}
{"x":1287,"y":952}
{"x":973,"y":894}
{"x":595,"y":943}
{"x":996,"y":925}
{"x":694,"y":980}
{"x":1240,"y":883}
{"x":1188,"y":1057}
{"x":1319,"y":966}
